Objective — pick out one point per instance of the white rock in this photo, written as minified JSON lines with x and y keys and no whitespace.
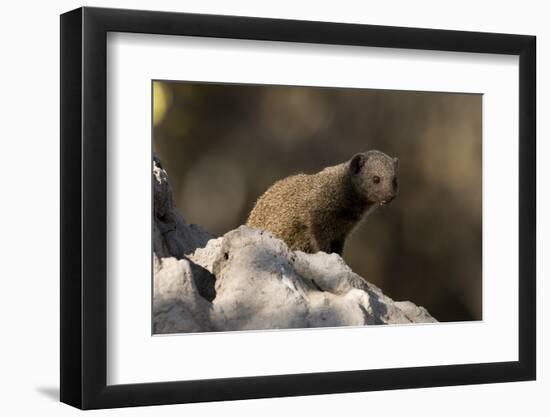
{"x":177,"y":305}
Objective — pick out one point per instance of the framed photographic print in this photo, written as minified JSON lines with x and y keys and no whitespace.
{"x":258,"y":207}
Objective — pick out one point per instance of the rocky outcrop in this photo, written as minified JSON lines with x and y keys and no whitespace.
{"x":172,"y":235}
{"x":249,"y":280}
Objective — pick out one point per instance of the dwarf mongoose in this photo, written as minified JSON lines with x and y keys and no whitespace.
{"x":316,"y":212}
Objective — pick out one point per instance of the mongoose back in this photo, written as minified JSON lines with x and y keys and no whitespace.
{"x":317,"y":212}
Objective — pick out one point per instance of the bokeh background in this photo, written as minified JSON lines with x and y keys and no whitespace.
{"x":223,"y":145}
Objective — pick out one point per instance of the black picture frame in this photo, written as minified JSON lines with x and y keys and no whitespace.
{"x":84,"y":207}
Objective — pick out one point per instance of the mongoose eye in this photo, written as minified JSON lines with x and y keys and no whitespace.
{"x":376,"y":179}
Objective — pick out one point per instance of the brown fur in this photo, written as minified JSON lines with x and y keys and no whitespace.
{"x":317,"y":212}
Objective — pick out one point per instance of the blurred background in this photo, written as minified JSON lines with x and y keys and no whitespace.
{"x":223,"y":145}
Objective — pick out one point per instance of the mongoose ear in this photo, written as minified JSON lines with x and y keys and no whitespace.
{"x":357,"y":163}
{"x":396,"y":163}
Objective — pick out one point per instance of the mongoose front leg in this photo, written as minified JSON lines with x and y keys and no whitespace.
{"x":337,"y":246}
{"x":319,"y":238}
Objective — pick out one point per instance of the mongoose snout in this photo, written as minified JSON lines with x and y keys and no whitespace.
{"x":317,"y":212}
{"x":392,"y":196}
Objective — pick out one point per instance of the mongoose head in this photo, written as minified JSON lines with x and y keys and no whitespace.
{"x":374,"y":176}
